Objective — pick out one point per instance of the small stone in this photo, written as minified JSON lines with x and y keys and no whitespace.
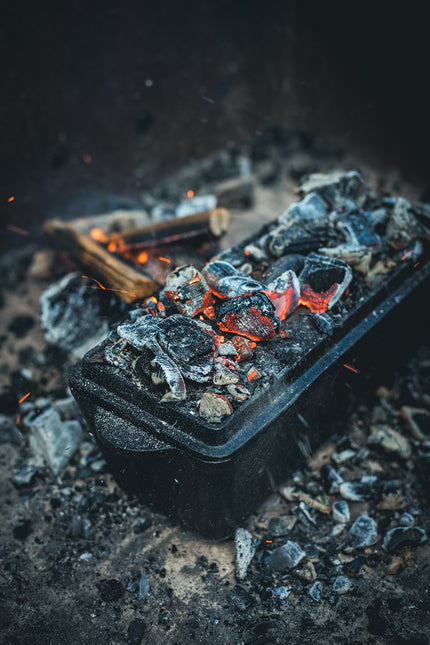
{"x":281,"y":593}
{"x":377,"y":617}
{"x":364,"y":532}
{"x":110,"y":589}
{"x":308,"y":573}
{"x":398,"y":562}
{"x":281,"y":526}
{"x":285,"y":557}
{"x":406,"y":520}
{"x":240,"y":598}
{"x":52,"y":440}
{"x":315,"y":591}
{"x":136,"y":631}
{"x":355,"y":491}
{"x":86,"y":556}
{"x":345,"y":455}
{"x":402,"y":536}
{"x":331,"y":479}
{"x":214,"y":407}
{"x":246,"y":545}
{"x":342,"y":585}
{"x":340,"y":511}
{"x":390,"y":441}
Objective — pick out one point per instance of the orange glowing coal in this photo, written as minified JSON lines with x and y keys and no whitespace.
{"x":142,"y":257}
{"x":98,"y":235}
{"x":190,"y":194}
{"x":317,"y":302}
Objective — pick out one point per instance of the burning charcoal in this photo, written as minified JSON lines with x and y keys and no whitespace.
{"x":364,"y":532}
{"x":253,"y":374}
{"x":342,"y":585}
{"x":315,"y":591}
{"x":238,"y":392}
{"x":196,"y":204}
{"x":402,"y":536}
{"x":227,"y":349}
{"x":292,"y":262}
{"x":340,"y":512}
{"x":356,"y":491}
{"x":249,"y":316}
{"x":337,"y":188}
{"x":240,"y":598}
{"x":246,"y":546}
{"x":358,"y":229}
{"x":402,"y":228}
{"x":331,"y":479}
{"x":284,"y":293}
{"x":285,"y":557}
{"x":281,"y":526}
{"x":71,"y":315}
{"x":214,"y":407}
{"x":235,"y":286}
{"x":390,"y":441}
{"x":188,"y":290}
{"x":52,"y":440}
{"x":311,"y":208}
{"x":255,"y":252}
{"x":356,"y":256}
{"x":323,"y":281}
{"x":418,"y":422}
{"x":296,"y":238}
{"x":223,"y":376}
{"x":244,"y":348}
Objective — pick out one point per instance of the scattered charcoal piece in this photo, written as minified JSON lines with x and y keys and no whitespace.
{"x":25,"y":474}
{"x":323,"y":323}
{"x":281,"y":526}
{"x":377,"y":617}
{"x":52,"y":440}
{"x":353,"y":568}
{"x":214,"y":407}
{"x":406,"y":519}
{"x":22,"y":530}
{"x":246,"y":546}
{"x":364,"y":532}
{"x":340,"y":512}
{"x":310,"y":208}
{"x":342,"y":585}
{"x":281,"y":593}
{"x":110,"y":589}
{"x":8,"y":432}
{"x":331,"y":479}
{"x":315,"y":590}
{"x":240,"y":598}
{"x":285,"y":557}
{"x":343,"y":455}
{"x":402,"y":536}
{"x":20,"y":325}
{"x":136,"y":631}
{"x":8,"y":401}
{"x":391,"y":441}
{"x":337,"y":188}
{"x":356,"y":491}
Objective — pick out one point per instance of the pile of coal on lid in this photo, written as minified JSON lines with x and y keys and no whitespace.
{"x":212,"y":337}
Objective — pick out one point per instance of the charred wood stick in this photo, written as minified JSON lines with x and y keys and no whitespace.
{"x":119,"y":276}
{"x":214,"y":221}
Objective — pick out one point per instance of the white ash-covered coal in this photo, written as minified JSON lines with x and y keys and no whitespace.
{"x":213,"y":337}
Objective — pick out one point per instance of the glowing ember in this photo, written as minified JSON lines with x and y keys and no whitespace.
{"x":24,"y":397}
{"x":352,"y":369}
{"x":142,"y":257}
{"x":103,"y":288}
{"x":190,"y":194}
{"x":253,"y":375}
{"x":87,"y":158}
{"x":17,"y":229}
{"x":164,"y":259}
{"x":98,"y":235}
{"x":317,"y":302}
{"x":11,"y":198}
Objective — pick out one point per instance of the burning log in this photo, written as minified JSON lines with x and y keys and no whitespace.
{"x":129,"y":283}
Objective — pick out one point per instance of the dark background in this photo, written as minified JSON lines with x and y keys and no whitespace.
{"x":100,"y":100}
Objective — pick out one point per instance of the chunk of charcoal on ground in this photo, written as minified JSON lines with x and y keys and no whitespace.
{"x":285,"y":557}
{"x":377,"y":617}
{"x":281,"y":526}
{"x":307,"y":573}
{"x":406,"y":519}
{"x":72,"y":314}
{"x":353,"y":568}
{"x":402,"y":227}
{"x":364,"y":532}
{"x":136,"y":631}
{"x":8,"y":401}
{"x":238,"y":192}
{"x":340,"y":511}
{"x":356,"y":491}
{"x":402,"y":536}
{"x":214,"y":407}
{"x":21,"y":324}
{"x":315,"y":590}
{"x":331,"y":479}
{"x":8,"y":431}
{"x":25,"y":473}
{"x":110,"y":589}
{"x":52,"y":440}
{"x":417,"y":421}
{"x":188,"y":291}
{"x":343,"y":456}
{"x":281,"y":593}
{"x":246,"y":546}
{"x":22,"y":530}
{"x":342,"y":585}
{"x":323,"y":323}
{"x":391,"y":441}
{"x":240,"y":598}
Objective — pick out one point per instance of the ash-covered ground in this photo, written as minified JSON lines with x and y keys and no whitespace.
{"x":338,"y":554}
